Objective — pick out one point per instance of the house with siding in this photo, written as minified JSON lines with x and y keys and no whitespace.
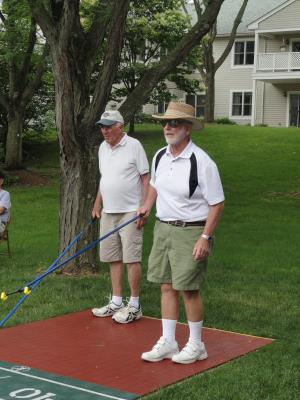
{"x":259,"y":82}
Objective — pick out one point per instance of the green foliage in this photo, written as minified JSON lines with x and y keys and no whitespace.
{"x":10,"y":179}
{"x":225,"y":121}
{"x":143,"y":118}
{"x":15,"y":39}
{"x":262,"y":125}
{"x":15,"y":31}
{"x":153,"y":29}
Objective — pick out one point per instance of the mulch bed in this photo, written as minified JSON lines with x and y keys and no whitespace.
{"x":29,"y":178}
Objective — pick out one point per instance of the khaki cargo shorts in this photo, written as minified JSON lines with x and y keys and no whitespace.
{"x":171,"y":258}
{"x":124,"y":245}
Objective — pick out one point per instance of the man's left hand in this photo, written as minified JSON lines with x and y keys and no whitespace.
{"x":201,"y":249}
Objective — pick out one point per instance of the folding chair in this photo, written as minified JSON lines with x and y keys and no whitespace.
{"x":4,"y":237}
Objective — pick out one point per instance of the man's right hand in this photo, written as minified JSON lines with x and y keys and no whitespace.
{"x":96,"y":212}
{"x":143,"y":212}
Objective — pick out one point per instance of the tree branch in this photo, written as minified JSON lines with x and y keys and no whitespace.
{"x":95,"y":36}
{"x":198,"y":8}
{"x":183,"y":5}
{"x":232,"y":37}
{"x":111,"y":59}
{"x":35,"y":82}
{"x":3,"y":19}
{"x":174,"y":58}
{"x":27,"y":58}
{"x":42,"y":14}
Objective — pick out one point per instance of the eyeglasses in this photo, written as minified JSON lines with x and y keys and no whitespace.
{"x":173,"y":123}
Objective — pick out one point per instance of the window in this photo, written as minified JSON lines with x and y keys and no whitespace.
{"x":241,"y":104}
{"x":244,"y":52}
{"x":161,"y":108}
{"x":198,"y":102}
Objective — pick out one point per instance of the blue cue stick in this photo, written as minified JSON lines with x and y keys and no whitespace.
{"x":54,"y":267}
{"x":83,"y":250}
{"x":77,"y":237}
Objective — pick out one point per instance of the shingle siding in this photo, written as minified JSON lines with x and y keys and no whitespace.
{"x":275,"y":106}
{"x":287,"y":18}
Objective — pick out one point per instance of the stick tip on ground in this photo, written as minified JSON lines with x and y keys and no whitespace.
{"x":4,"y":296}
{"x":26,"y":290}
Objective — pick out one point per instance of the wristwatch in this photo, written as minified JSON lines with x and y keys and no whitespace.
{"x":206,"y":237}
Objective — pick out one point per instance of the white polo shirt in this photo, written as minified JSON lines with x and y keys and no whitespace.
{"x":5,"y":202}
{"x":171,"y":182}
{"x":121,"y":168}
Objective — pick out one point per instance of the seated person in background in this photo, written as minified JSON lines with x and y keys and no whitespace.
{"x":4,"y":205}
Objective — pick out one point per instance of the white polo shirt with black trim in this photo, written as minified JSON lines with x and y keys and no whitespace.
{"x":121,"y":168}
{"x":171,"y":182}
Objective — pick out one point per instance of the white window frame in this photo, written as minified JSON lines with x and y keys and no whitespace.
{"x":242,"y":66}
{"x":243,"y":117}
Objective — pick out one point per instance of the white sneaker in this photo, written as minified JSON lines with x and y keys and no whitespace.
{"x":161,"y":350}
{"x":191,"y":352}
{"x":128,"y":314}
{"x":110,"y":309}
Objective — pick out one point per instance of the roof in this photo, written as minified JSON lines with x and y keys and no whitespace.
{"x":254,"y":10}
{"x":255,"y":24}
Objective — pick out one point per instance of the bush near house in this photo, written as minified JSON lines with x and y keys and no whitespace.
{"x":225,"y":121}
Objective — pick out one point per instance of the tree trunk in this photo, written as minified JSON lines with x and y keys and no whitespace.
{"x":13,"y":156}
{"x":77,"y":194}
{"x":131,"y":126}
{"x":79,"y":168}
{"x":209,"y":114}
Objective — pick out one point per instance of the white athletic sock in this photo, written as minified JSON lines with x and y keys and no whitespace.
{"x":117,"y":300}
{"x":195,"y":330}
{"x":169,"y":329}
{"x":134,"y":301}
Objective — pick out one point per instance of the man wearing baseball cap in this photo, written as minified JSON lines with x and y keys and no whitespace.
{"x":186,"y":186}
{"x":124,"y":182}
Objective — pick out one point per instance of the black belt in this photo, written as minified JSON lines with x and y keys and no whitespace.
{"x":182,"y":223}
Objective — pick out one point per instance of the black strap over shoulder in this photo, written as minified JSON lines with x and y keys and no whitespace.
{"x":193,"y":180}
{"x":159,"y":156}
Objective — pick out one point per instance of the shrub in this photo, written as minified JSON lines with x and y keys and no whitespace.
{"x":9,"y":178}
{"x":143,"y":118}
{"x":225,"y":121}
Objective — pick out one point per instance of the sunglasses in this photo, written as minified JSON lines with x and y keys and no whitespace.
{"x":173,"y":123}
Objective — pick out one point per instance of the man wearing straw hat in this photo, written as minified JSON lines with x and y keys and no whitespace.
{"x":186,"y":186}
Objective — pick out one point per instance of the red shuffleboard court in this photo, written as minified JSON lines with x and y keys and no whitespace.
{"x":101,"y":351}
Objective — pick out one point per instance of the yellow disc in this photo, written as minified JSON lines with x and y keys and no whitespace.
{"x":26,"y":290}
{"x":4,"y":296}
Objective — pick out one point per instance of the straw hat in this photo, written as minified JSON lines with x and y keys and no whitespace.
{"x":181,"y":111}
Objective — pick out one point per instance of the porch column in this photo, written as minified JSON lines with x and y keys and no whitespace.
{"x":253,"y":116}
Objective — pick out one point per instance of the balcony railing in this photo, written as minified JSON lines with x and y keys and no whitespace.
{"x":284,"y":61}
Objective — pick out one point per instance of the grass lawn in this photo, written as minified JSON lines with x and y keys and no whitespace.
{"x":254,"y":277}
